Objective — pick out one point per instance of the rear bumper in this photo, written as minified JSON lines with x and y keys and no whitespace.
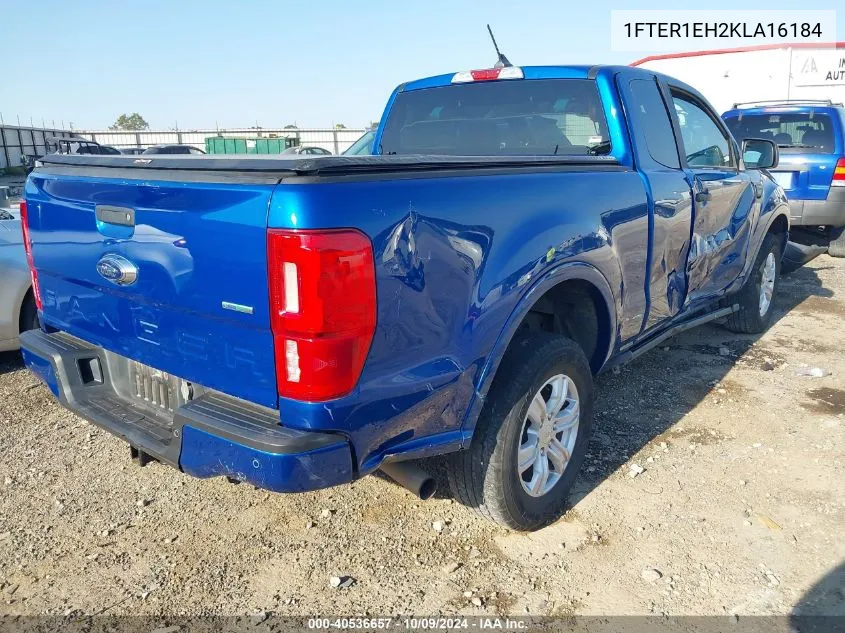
{"x":829,"y":212}
{"x":209,"y":436}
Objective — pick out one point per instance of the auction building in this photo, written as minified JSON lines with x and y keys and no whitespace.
{"x":757,"y":73}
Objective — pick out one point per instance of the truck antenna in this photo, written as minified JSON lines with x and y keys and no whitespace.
{"x":502,"y":61}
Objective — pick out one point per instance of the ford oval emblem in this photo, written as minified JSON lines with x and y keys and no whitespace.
{"x":117,"y":269}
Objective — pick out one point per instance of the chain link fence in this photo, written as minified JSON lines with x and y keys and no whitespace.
{"x":18,"y":142}
{"x":333,"y":140}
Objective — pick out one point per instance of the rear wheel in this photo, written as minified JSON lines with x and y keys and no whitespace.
{"x":531,"y":436}
{"x":756,"y":298}
{"x":29,"y":314}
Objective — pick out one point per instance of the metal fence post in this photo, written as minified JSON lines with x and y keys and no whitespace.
{"x":5,"y":147}
{"x":336,"y":146}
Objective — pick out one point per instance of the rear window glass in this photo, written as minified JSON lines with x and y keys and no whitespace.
{"x":794,"y":132}
{"x":499,"y":118}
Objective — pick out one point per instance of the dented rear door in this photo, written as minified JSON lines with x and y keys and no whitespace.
{"x":724,"y":199}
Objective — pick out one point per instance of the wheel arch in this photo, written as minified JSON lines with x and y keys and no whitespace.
{"x":780,"y":224}
{"x":568,"y":272}
{"x":27,"y":296}
{"x":777,"y":222}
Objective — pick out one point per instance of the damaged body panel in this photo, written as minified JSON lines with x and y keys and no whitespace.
{"x":192,"y":310}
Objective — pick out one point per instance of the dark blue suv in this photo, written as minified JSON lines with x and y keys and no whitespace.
{"x":810,"y":136}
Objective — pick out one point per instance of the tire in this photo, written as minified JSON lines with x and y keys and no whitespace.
{"x":29,"y":314}
{"x":486,"y":475}
{"x":836,"y":247}
{"x":752,"y":318}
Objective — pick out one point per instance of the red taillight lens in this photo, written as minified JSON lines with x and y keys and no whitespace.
{"x":488,"y":74}
{"x":322,"y":310}
{"x":27,"y":246}
{"x":839,"y":173}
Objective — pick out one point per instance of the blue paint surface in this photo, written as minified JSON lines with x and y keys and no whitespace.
{"x":205,"y":455}
{"x":812,"y":168}
{"x":43,"y":370}
{"x":460,"y":258}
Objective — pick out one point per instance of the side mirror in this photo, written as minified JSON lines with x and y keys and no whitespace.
{"x":759,"y":153}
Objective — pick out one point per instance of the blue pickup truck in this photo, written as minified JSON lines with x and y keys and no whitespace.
{"x":301,"y":323}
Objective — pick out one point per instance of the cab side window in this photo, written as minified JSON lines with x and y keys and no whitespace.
{"x":656,"y":125}
{"x":705,"y":145}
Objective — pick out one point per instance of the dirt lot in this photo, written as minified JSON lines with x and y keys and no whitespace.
{"x":739,"y":509}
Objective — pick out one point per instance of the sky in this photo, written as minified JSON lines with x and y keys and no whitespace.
{"x":201,"y":64}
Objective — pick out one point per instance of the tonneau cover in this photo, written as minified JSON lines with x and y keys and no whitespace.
{"x":320,"y":165}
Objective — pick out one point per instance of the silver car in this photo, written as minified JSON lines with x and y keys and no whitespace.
{"x":17,"y":304}
{"x":303,"y":150}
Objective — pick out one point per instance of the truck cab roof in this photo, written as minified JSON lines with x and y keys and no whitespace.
{"x":540,"y":72}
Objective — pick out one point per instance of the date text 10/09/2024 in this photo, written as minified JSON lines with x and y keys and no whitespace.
{"x":419,"y":624}
{"x":702,"y":30}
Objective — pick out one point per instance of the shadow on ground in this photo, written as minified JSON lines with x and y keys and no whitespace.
{"x":10,"y":361}
{"x":822,"y":608}
{"x":653,"y":393}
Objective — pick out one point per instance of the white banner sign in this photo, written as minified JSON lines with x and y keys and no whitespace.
{"x":818,"y":67}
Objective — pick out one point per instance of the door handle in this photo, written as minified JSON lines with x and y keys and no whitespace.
{"x":702,"y":196}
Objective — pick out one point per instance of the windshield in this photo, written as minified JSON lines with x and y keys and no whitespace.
{"x":511,"y":117}
{"x":807,"y":132}
{"x":363,"y":146}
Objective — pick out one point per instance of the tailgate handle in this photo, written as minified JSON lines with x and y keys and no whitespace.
{"x":123,"y":216}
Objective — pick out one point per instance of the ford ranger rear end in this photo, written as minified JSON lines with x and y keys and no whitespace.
{"x":299,"y":323}
{"x":159,"y":308}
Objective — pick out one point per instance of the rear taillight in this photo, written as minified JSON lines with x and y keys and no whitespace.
{"x":27,"y":246}
{"x":323,"y":310}
{"x":839,"y":173}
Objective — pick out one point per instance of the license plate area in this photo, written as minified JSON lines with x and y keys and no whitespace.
{"x":785,"y":179}
{"x":157,"y":390}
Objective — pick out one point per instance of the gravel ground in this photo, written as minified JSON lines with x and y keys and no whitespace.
{"x":739,"y":507}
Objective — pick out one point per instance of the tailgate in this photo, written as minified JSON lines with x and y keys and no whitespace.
{"x":195,"y":244}
{"x":805,"y":176}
